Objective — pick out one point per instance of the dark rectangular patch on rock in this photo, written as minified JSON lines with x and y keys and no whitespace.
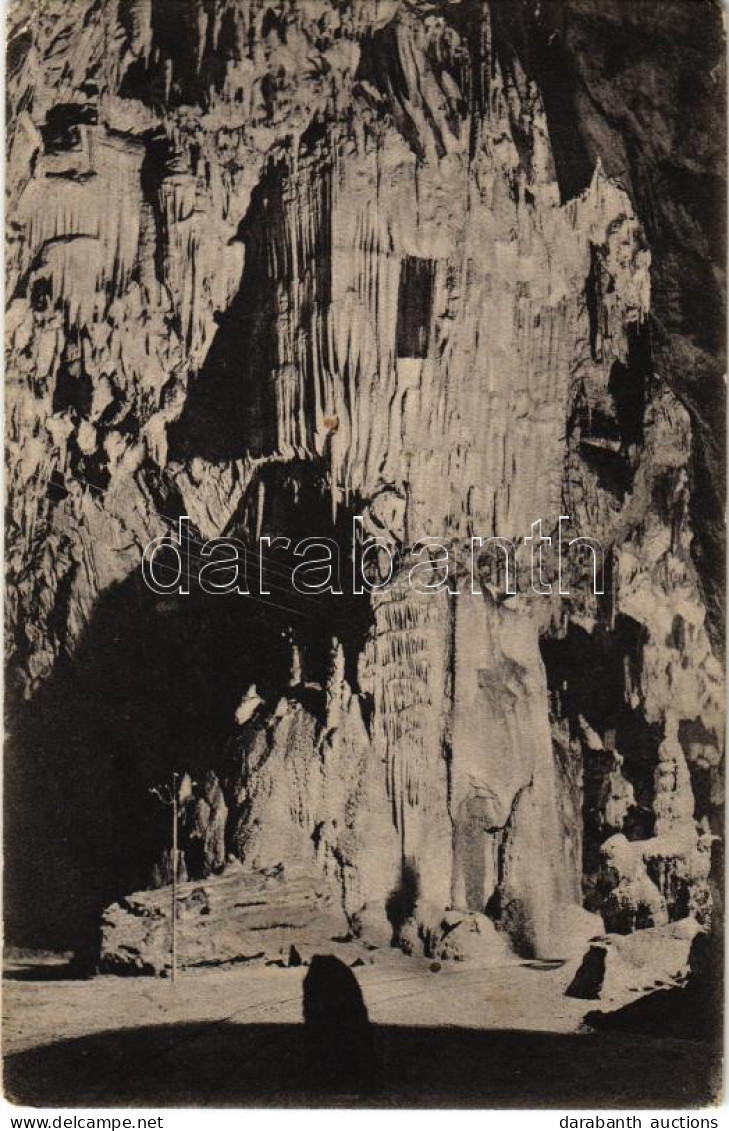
{"x":414,"y":306}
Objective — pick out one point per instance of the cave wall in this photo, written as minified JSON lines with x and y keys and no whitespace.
{"x":642,"y":87}
{"x":272,"y":265}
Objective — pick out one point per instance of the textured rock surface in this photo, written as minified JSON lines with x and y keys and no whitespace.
{"x":273,"y":266}
{"x":227,"y":920}
{"x":617,"y":968}
{"x":470,"y":938}
{"x":643,"y":90}
{"x":688,"y":1003}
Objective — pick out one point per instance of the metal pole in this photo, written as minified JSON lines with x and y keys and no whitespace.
{"x":174,"y":876}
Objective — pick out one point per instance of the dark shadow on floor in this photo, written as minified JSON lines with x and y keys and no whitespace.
{"x":545,"y":963}
{"x":45,"y":972}
{"x":338,"y":1034}
{"x":228,"y":1065}
{"x":682,"y":1013}
{"x":694,"y":1012}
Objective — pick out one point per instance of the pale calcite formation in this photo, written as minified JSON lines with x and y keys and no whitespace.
{"x":330,"y":237}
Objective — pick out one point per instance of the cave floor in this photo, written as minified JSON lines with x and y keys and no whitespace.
{"x":458,"y":1036}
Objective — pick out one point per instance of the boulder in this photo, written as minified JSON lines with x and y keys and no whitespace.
{"x":452,"y":935}
{"x":618,"y":967}
{"x":473,"y":939}
{"x":238,"y":917}
{"x":691,"y":1011}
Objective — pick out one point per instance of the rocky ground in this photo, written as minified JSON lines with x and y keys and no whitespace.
{"x":505,"y":1036}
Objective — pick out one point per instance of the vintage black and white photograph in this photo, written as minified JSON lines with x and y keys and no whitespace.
{"x":364,"y":549}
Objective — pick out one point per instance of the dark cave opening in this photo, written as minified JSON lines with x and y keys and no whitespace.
{"x":628,"y":386}
{"x":152,"y":687}
{"x":591,"y":677}
{"x":522,"y":40}
{"x":233,"y":405}
{"x":74,"y":388}
{"x":402,"y":900}
{"x":60,"y":132}
{"x":611,"y":429}
{"x":293,"y":501}
{"x":173,"y":73}
{"x":230,"y":410}
{"x":157,"y":164}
